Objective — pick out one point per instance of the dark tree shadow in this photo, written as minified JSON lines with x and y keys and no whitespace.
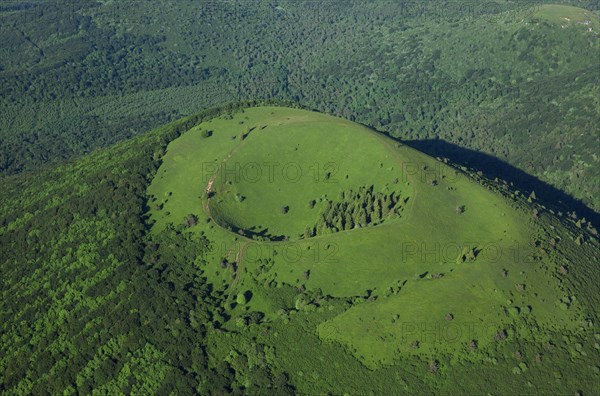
{"x":255,"y":232}
{"x":493,"y":167}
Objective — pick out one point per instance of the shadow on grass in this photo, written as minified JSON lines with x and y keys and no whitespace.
{"x":493,"y":167}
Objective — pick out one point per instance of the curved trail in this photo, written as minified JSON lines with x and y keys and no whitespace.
{"x":240,"y":253}
{"x":209,"y":188}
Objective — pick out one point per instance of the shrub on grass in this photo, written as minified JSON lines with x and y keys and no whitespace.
{"x":523,"y":366}
{"x":300,"y":303}
{"x":563,"y":270}
{"x":500,"y":335}
{"x":433,"y":366}
{"x":472,"y":345}
{"x":190,"y":220}
{"x":241,"y":298}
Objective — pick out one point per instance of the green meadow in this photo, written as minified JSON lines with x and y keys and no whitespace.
{"x":187,"y":261}
{"x":452,"y":272}
{"x":568,"y":16}
{"x":312,"y":198}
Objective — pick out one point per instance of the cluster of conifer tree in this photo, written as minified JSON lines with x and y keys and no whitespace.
{"x":356,"y":209}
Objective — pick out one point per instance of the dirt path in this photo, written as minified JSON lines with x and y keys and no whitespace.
{"x":211,"y":181}
{"x":239,"y":257}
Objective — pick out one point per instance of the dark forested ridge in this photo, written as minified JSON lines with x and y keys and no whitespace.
{"x":496,"y":77}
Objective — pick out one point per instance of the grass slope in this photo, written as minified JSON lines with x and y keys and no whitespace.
{"x":91,"y":302}
{"x":408,"y":292}
{"x":569,"y":16}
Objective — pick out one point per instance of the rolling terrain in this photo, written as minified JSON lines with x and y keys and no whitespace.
{"x":158,"y":265}
{"x":77,"y":76}
{"x":447,"y":274}
{"x":340,"y":198}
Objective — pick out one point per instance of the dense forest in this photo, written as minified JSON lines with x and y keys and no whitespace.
{"x":89,"y":300}
{"x":76,"y":76}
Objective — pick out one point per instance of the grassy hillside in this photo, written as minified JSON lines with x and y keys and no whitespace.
{"x":97,"y":296}
{"x":568,"y":16}
{"x":467,"y":275}
{"x":77,"y":76}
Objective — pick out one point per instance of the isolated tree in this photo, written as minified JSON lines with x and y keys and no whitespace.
{"x":500,"y":335}
{"x":190,"y":220}
{"x":256,"y":317}
{"x":242,"y":298}
{"x":285,"y":209}
{"x":239,"y":197}
{"x":472,"y":345}
{"x":563,"y":270}
{"x":471,"y":255}
{"x":433,"y":366}
{"x":532,"y":196}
